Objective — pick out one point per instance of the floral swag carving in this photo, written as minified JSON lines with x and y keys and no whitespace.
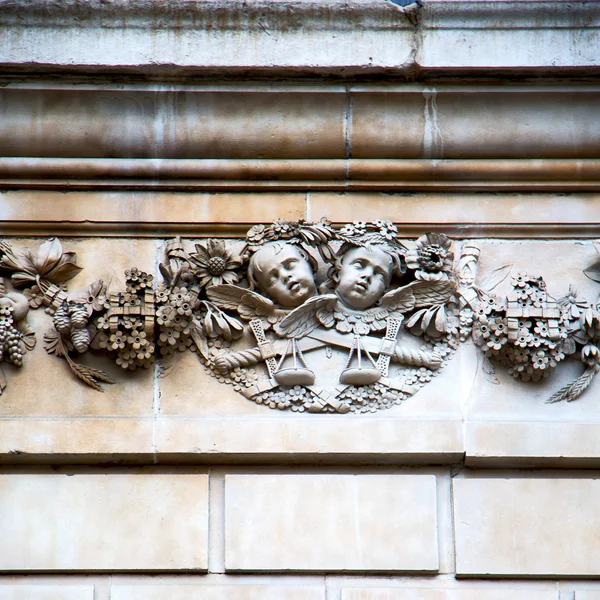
{"x":301,"y":316}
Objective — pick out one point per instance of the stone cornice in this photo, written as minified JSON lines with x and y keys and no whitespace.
{"x":289,"y":16}
{"x":387,"y":175}
{"x":358,"y":38}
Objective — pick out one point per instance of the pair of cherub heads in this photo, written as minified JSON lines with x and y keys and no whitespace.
{"x":360,"y":274}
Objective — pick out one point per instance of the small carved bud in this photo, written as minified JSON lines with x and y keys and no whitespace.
{"x":80,"y":339}
{"x":62,"y":320}
{"x":79,"y":315}
{"x":590,"y":355}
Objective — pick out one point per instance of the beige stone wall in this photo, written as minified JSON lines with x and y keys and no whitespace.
{"x":125,"y":124}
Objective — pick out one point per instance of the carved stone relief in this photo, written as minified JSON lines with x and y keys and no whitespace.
{"x":303,"y":317}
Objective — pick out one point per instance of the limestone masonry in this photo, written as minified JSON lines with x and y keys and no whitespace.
{"x":299,"y":300}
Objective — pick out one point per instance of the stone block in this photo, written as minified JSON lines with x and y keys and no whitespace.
{"x":136,"y":209}
{"x":416,"y":213}
{"x":331,"y":439}
{"x":526,"y":527}
{"x":217,"y":123}
{"x":543,"y":443}
{"x":497,"y":593}
{"x":191,"y":591}
{"x":103,"y":522}
{"x":587,"y":595}
{"x":75,"y":440}
{"x":46,"y":592}
{"x":358,"y":523}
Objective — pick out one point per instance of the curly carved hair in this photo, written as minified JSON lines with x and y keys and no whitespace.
{"x":254,"y":266}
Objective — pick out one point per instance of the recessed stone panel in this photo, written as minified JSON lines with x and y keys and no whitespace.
{"x":46,"y":592}
{"x":199,"y":591}
{"x":330,"y":523}
{"x":103,"y":522}
{"x":527,"y":527}
{"x":448,"y":594}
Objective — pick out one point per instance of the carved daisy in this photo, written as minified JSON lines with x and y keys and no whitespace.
{"x":215,"y":264}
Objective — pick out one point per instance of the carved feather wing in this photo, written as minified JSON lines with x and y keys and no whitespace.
{"x":248,"y":304}
{"x":401,"y":299}
{"x":429,"y":293}
{"x":315,"y":312}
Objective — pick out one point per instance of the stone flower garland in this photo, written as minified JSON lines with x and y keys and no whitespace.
{"x":207,"y":303}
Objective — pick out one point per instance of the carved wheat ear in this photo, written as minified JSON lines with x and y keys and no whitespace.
{"x":573,"y":390}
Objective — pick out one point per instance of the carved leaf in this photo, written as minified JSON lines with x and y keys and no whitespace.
{"x":22,"y":279}
{"x":414,"y":321}
{"x":490,"y":371}
{"x":593,"y":272}
{"x":495,"y":278}
{"x":89,"y":375}
{"x":568,"y":346}
{"x":48,"y":256}
{"x":166,"y":365}
{"x":3,"y":382}
{"x":65,"y":269}
{"x":2,"y":287}
{"x":166,"y":273}
{"x":199,"y":338}
{"x":53,"y":343}
{"x":573,"y":390}
{"x":28,"y":335}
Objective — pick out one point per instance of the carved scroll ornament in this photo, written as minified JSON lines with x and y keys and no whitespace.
{"x":301,"y":316}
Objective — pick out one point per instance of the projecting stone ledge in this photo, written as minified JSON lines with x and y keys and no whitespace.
{"x":344,"y":38}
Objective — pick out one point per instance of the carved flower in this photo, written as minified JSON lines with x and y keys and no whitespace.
{"x":102,"y":341}
{"x":162,"y":295}
{"x":572,"y":306}
{"x":498,"y":326}
{"x":354,"y":229}
{"x":520,"y":280}
{"x":523,"y":340}
{"x":590,"y":355}
{"x":540,"y":360}
{"x":130,"y":322}
{"x":215,"y":264}
{"x":34,"y":295}
{"x":496,"y":342}
{"x":541,"y":328}
{"x":256,"y":236}
{"x":169,"y":336}
{"x":117,"y":340}
{"x":102,"y":323}
{"x":165,"y":315}
{"x":432,"y":256}
{"x":145,"y":352}
{"x":131,"y":299}
{"x":137,"y":339}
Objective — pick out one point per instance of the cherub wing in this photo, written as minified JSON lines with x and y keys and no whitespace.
{"x":248,"y":304}
{"x":419,"y":294}
{"x":401,"y":299}
{"x":313,"y":313}
{"x":429,"y":293}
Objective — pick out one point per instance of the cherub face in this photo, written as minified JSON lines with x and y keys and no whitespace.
{"x":364,"y":277}
{"x":283,"y":274}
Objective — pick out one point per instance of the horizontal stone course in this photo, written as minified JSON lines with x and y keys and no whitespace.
{"x":359,"y":523}
{"x":526,"y":527}
{"x":480,"y":593}
{"x":103,"y":522}
{"x":46,"y":592}
{"x":200,"y":591}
